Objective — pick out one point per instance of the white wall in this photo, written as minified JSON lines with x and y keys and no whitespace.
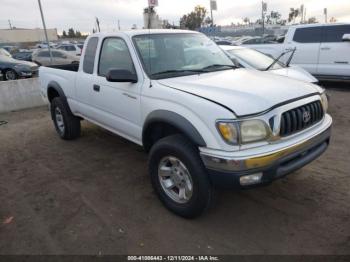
{"x":26,"y":35}
{"x":20,"y":94}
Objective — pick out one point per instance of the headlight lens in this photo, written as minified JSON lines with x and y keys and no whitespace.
{"x":243,"y":132}
{"x":253,"y":130}
{"x":324,"y":101}
{"x":228,"y":131}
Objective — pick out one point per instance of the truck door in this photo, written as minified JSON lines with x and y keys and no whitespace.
{"x":334,"y":52}
{"x":84,"y":80}
{"x":307,"y":41}
{"x":118,"y":104}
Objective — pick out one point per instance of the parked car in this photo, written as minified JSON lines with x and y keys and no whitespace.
{"x":1,"y":76}
{"x":9,"y":48}
{"x":13,"y":69}
{"x":223,"y":42}
{"x":250,"y":58}
{"x":4,"y":52}
{"x":203,"y":121}
{"x":73,"y":49}
{"x":59,"y":57}
{"x":321,"y":49}
{"x":23,"y":55}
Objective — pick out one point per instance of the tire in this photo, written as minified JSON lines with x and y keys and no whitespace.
{"x":10,"y":74}
{"x":178,"y":147}
{"x":67,"y":125}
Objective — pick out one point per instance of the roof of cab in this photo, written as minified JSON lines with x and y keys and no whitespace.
{"x":132,"y":33}
{"x":318,"y":24}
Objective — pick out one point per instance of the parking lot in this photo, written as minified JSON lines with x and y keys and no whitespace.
{"x":93,"y":196}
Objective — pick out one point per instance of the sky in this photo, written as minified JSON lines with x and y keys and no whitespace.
{"x":80,"y":14}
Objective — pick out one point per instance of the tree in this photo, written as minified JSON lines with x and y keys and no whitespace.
{"x":64,"y":34}
{"x":208,"y":21}
{"x":333,"y":20}
{"x":293,"y":14}
{"x":246,"y":20}
{"x":276,"y":16}
{"x":71,"y":33}
{"x":194,"y":19}
{"x":312,"y":20}
{"x":77,"y":34}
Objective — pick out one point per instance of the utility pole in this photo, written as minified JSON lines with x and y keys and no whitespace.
{"x":118,"y":24}
{"x":45,"y":31}
{"x":263,"y":10}
{"x":98,"y":25}
{"x":213,"y":7}
{"x":10,"y":24}
{"x":325,"y":11}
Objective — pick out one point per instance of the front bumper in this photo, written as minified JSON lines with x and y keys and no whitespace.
{"x":226,"y":171}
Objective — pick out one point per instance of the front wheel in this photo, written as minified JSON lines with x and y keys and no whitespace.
{"x":11,"y":75}
{"x":179,"y":177}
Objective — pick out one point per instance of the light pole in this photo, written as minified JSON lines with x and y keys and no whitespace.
{"x":44,"y":25}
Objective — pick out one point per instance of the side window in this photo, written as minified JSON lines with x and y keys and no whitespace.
{"x":70,"y":48}
{"x":114,"y":55}
{"x":308,"y":35}
{"x":44,"y":54}
{"x":89,"y":57}
{"x":335,"y":33}
{"x":57,"y":54}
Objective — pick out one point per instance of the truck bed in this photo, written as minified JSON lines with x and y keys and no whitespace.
{"x":69,"y":67}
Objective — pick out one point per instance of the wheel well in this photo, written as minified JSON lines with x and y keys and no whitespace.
{"x":52,"y":93}
{"x":157,"y":131}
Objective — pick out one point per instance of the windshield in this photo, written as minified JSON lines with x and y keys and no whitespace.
{"x":254,"y":58}
{"x":173,"y":55}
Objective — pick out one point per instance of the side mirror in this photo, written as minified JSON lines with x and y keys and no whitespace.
{"x":119,"y":75}
{"x":235,"y":62}
{"x":346,"y":38}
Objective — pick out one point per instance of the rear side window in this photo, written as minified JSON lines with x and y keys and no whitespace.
{"x":308,"y":35}
{"x":70,"y":48}
{"x":89,"y":57}
{"x":335,"y":33}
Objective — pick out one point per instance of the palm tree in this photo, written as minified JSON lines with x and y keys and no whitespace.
{"x":294,"y":13}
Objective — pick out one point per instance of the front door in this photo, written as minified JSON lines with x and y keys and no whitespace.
{"x":307,"y":42}
{"x":334,"y":53}
{"x":118,"y":103}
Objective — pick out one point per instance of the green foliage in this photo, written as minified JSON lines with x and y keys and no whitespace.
{"x":194,"y":19}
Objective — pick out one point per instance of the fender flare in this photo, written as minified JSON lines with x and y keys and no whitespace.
{"x":176,"y":120}
{"x":54,"y":85}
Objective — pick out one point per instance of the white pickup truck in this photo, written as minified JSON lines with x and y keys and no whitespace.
{"x":203,"y":121}
{"x":321,"y":49}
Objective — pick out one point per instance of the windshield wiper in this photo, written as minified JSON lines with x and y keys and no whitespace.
{"x":279,"y":57}
{"x":216,"y":66}
{"x":178,"y":71}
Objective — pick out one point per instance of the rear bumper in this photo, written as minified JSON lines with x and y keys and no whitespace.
{"x":227,"y":171}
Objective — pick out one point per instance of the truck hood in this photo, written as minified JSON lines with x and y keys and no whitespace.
{"x":244,"y":91}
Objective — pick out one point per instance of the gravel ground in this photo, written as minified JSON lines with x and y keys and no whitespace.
{"x":93,"y":196}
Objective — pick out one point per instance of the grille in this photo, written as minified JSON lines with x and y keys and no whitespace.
{"x":300,"y":118}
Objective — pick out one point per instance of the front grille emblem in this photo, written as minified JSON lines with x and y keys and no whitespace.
{"x":306,"y":116}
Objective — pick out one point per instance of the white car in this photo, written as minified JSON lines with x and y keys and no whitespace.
{"x":250,"y":58}
{"x":321,"y":49}
{"x":73,"y":49}
{"x":203,"y":121}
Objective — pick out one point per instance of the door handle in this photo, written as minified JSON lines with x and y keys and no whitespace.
{"x":325,"y":48}
{"x":96,"y":88}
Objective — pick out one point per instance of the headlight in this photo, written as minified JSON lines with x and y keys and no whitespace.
{"x":228,"y":131}
{"x":324,"y":101}
{"x":253,"y":130}
{"x":243,"y":132}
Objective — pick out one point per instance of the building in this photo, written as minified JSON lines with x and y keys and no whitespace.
{"x":17,"y":35}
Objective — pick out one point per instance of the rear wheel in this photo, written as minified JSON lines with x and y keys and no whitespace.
{"x":179,"y":177}
{"x":67,"y":125}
